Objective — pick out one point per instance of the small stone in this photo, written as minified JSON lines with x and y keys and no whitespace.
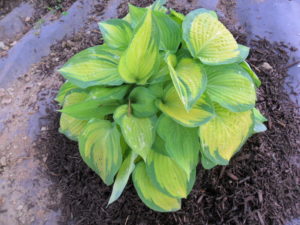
{"x":3,"y":161}
{"x":43,"y":128}
{"x":27,"y":19}
{"x":266,"y":66}
{"x":14,"y":43}
{"x":2,"y":45}
{"x":6,"y":100}
{"x":2,"y":92}
{"x":70,"y":43}
{"x":27,"y":78}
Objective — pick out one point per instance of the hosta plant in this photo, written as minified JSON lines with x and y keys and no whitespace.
{"x":162,"y":93}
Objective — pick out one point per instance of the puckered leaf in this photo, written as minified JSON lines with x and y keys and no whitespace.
{"x":231,"y":87}
{"x":166,"y":174}
{"x":100,"y":148}
{"x":138,"y":132}
{"x":254,"y":77}
{"x":94,"y":66}
{"x":143,"y":102}
{"x":116,"y":33}
{"x":223,"y":136}
{"x":63,"y":91}
{"x":141,"y":59}
{"x":181,"y":143}
{"x":189,"y":79}
{"x":122,"y":177}
{"x":150,"y":195}
{"x":70,"y":126}
{"x":172,"y":106}
{"x":259,"y":120}
{"x":208,"y":39}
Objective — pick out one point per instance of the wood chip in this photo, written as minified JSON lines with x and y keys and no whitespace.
{"x":260,"y":196}
{"x":232,"y":176}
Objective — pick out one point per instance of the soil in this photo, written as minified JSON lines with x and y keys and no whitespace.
{"x":258,"y":187}
{"x":7,"y":5}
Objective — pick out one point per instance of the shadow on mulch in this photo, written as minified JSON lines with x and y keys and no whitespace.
{"x":258,"y":187}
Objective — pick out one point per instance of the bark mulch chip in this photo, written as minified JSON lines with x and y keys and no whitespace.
{"x":259,"y":186}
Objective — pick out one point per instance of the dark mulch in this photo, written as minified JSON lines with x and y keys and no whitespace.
{"x":260,"y":186}
{"x":7,"y":6}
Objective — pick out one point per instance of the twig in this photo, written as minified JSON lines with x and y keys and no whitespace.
{"x":292,"y":64}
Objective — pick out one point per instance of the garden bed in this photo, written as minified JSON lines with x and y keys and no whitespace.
{"x":258,"y":187}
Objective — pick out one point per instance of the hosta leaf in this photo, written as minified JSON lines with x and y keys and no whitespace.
{"x":141,"y":59}
{"x":143,"y":102}
{"x":244,"y":52}
{"x":70,"y":126}
{"x":208,"y":39}
{"x":254,"y":77}
{"x":172,"y":106}
{"x":176,"y":16}
{"x":192,"y":180}
{"x":189,"y":80}
{"x":258,"y":116}
{"x":157,"y":90}
{"x":166,"y":174}
{"x":231,"y":87}
{"x":158,"y":5}
{"x":138,"y":132}
{"x":162,"y":74}
{"x":150,"y":195}
{"x":116,"y":33}
{"x":259,"y":119}
{"x":108,"y":94}
{"x":89,"y":109}
{"x":94,"y":66}
{"x":181,"y":143}
{"x":100,"y":148}
{"x":206,"y":163}
{"x":223,"y":136}
{"x":122,"y":177}
{"x":100,"y":101}
{"x":169,"y":32}
{"x":136,"y":14}
{"x":64,"y":89}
